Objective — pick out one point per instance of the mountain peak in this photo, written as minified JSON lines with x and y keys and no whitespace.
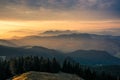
{"x":58,"y":32}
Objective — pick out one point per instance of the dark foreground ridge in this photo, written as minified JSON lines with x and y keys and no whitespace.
{"x":17,"y":66}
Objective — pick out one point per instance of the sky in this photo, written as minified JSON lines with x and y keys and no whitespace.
{"x":20,"y":18}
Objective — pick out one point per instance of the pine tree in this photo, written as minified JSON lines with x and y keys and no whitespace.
{"x":88,"y":74}
{"x":64,"y":66}
{"x":36,"y":63}
{"x":13,"y":66}
{"x":55,"y":66}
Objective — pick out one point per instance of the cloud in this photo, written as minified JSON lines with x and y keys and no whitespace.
{"x":59,"y":9}
{"x":111,"y":31}
{"x":18,"y":33}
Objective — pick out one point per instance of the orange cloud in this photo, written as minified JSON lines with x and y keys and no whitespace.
{"x":24,"y":28}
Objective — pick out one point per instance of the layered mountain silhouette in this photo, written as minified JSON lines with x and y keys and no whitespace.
{"x":86,"y":57}
{"x":69,"y":42}
{"x":11,"y":52}
{"x":6,"y":43}
{"x":74,"y":41}
{"x":57,"y":32}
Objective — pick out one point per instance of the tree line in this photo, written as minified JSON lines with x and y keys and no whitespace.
{"x":16,"y":66}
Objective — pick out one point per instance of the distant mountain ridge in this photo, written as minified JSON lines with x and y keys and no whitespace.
{"x":74,"y":41}
{"x":25,"y":51}
{"x":71,"y":42}
{"x":86,"y":57}
{"x":94,"y":57}
{"x":6,"y":43}
{"x":59,"y":32}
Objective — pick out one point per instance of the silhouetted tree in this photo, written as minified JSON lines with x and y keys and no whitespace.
{"x":88,"y":74}
{"x":20,"y":65}
{"x":55,"y":66}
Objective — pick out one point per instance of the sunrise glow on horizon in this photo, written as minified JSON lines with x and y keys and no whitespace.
{"x":18,"y":28}
{"x":19,"y":18}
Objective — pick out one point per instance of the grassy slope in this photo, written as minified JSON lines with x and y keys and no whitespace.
{"x":46,"y":76}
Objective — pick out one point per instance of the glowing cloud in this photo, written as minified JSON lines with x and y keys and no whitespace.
{"x":59,"y":9}
{"x":16,"y":16}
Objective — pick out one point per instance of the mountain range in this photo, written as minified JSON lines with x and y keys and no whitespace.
{"x":90,"y":49}
{"x":84,"y":57}
{"x":72,"y":42}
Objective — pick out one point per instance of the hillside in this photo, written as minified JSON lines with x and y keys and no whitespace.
{"x":28,"y":51}
{"x":6,"y":43}
{"x":94,"y":57}
{"x":73,"y":42}
{"x":46,"y":76}
{"x":69,"y":42}
{"x":87,"y":57}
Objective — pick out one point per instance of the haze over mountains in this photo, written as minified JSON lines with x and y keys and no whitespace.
{"x":111,"y":31}
{"x":86,"y":49}
{"x":6,"y":43}
{"x":57,"y":32}
{"x":78,"y":33}
{"x":85,"y":57}
{"x":68,"y":41}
